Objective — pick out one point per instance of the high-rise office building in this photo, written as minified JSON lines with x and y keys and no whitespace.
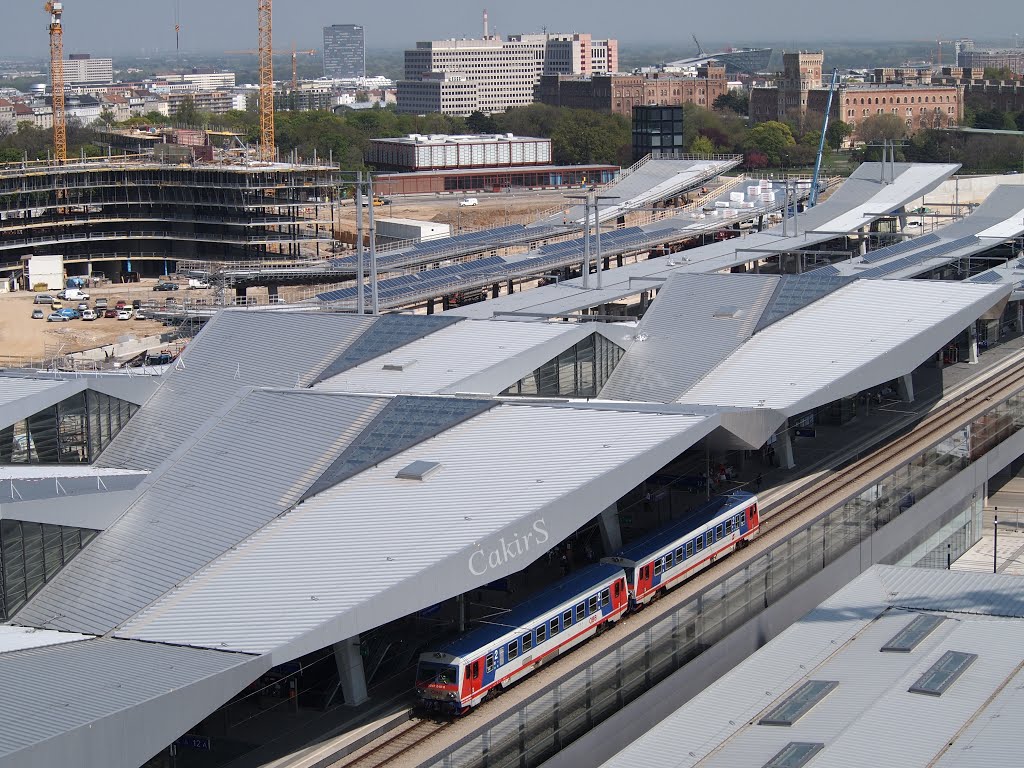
{"x":344,"y":51}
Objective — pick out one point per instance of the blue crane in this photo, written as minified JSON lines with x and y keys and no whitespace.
{"x":813,"y":199}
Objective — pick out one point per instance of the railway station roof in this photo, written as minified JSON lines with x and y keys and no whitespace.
{"x":857,"y":202}
{"x":955,"y":697}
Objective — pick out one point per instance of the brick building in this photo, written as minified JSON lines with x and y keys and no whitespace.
{"x":620,"y":93}
{"x":1000,"y":95}
{"x":900,"y":92}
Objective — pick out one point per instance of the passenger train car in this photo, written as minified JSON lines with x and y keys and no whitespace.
{"x":461,"y":674}
{"x":666,"y":557}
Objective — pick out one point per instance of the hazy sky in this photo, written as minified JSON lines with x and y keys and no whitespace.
{"x":133,"y":26}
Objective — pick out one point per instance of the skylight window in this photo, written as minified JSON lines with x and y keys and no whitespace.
{"x":943,"y":673}
{"x":798,"y":703}
{"x":917,"y":630}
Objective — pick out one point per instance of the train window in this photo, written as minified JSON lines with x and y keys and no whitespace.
{"x":567,"y":619}
{"x":738,"y":522}
{"x":689,"y":549}
{"x":476,"y":670}
{"x":527,"y":641}
{"x":581,"y":612}
{"x":606,"y":595}
{"x":700,"y":543}
{"x":553,"y":624}
{"x":679,"y":555}
{"x":592,"y":605}
{"x":513,"y":649}
{"x":489,"y":663}
{"x":718,"y":532}
{"x":728,"y":525}
{"x":657,"y":566}
{"x":668,"y":561}
{"x":542,"y":633}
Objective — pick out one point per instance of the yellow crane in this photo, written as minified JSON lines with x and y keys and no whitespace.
{"x":265,"y":17}
{"x":294,"y":53}
{"x":60,"y":126}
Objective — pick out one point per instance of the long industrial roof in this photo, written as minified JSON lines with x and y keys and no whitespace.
{"x":871,"y":716}
{"x":861,"y":199}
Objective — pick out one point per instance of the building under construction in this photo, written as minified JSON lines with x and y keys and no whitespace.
{"x":136,"y":216}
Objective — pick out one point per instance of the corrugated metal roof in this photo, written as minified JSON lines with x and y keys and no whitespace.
{"x":859,"y":336}
{"x":680,"y":338}
{"x":237,"y":349}
{"x":858,"y":195}
{"x":22,"y":638}
{"x":123,"y":693}
{"x":244,"y":469}
{"x":871,"y":718}
{"x":15,"y":387}
{"x":439,"y":361}
{"x":958,"y":592}
{"x":376,"y":547}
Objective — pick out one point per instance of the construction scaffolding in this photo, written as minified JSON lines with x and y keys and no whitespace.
{"x":134,"y":215}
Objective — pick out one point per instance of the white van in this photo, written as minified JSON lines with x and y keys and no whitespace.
{"x":465,"y":203}
{"x":73,"y":294}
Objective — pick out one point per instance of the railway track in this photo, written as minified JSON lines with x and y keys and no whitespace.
{"x":855,"y":477}
{"x":393,"y":745}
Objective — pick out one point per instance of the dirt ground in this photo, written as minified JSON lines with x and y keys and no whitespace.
{"x":493,"y":210}
{"x":23,"y":337}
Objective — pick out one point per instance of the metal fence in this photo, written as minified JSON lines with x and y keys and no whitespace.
{"x":569,"y":707}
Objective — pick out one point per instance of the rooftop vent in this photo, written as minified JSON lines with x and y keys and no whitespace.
{"x":943,"y":673}
{"x":798,"y":703}
{"x":907,"y":638}
{"x":727,"y":311}
{"x":795,"y":754}
{"x":418,"y":470}
{"x":399,"y":366}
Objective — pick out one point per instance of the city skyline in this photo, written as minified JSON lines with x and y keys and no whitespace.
{"x":104,"y":26}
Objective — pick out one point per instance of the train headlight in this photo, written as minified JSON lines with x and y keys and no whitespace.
{"x":451,"y":695}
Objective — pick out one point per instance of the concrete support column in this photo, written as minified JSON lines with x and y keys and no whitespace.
{"x":905,"y":388}
{"x":618,"y":260}
{"x":1020,"y":317}
{"x":350,"y":670}
{"x":444,"y":304}
{"x":972,"y":344}
{"x":511,"y":288}
{"x":784,"y":449}
{"x":430,"y":306}
{"x":643,"y":302}
{"x":757,"y":266}
{"x":863,"y":240}
{"x":901,"y":217}
{"x":495,"y":290}
{"x":608,"y":524}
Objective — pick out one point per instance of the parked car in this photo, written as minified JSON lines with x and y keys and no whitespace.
{"x":165,"y":287}
{"x":140,"y":314}
{"x":56,"y":317}
{"x":136,"y":303}
{"x":194,"y":282}
{"x":69,"y":313}
{"x":82,"y":306}
{"x":101,"y":303}
{"x":89,"y":314}
{"x":56,"y":304}
{"x":37,"y":314}
{"x":110,"y":312}
{"x":124,"y":314}
{"x":42,"y":298}
{"x":467,"y":202}
{"x":121,"y":304}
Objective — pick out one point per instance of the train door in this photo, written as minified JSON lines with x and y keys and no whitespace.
{"x":752,"y":517}
{"x":471,"y":679}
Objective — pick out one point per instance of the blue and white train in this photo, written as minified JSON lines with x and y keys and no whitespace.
{"x":463,"y":673}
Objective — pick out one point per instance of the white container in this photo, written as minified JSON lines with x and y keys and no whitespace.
{"x":736,"y":197}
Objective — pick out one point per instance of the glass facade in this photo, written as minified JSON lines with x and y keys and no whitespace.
{"x":580,"y":371}
{"x":30,"y":555}
{"x":344,"y":52}
{"x":657,"y":129}
{"x":74,"y":431}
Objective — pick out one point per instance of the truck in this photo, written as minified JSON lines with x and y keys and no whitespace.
{"x":198,"y":282}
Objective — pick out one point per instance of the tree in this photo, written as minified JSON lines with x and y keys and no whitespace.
{"x":881,"y":127}
{"x":478,"y":122}
{"x":187,"y":113}
{"x":999,"y":73}
{"x":837,"y":133}
{"x":772,"y":139}
{"x":702,"y":146}
{"x":733,"y":101}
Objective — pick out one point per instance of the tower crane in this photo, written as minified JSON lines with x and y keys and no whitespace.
{"x":293,"y":53}
{"x":60,"y":126}
{"x":265,"y":19}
